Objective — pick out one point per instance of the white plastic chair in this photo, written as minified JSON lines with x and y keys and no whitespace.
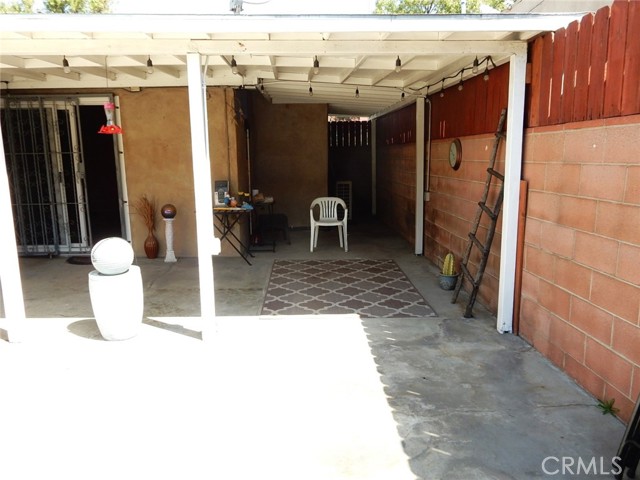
{"x":328,"y":217}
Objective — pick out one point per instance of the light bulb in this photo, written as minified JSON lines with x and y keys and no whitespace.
{"x":234,"y":66}
{"x":149,"y":66}
{"x":475,"y":66}
{"x":398,"y":64}
{"x":65,"y":65}
{"x":316,"y":65}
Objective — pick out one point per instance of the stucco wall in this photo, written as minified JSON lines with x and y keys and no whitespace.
{"x":581,"y":281}
{"x":290,"y":155}
{"x":158,"y":162}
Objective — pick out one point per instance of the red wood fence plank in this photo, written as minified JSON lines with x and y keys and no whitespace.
{"x":555,"y":107}
{"x":536,"y":80}
{"x":568,"y":87}
{"x":583,"y":57}
{"x":615,"y":58}
{"x":480,"y":104}
{"x":631,"y":82}
{"x":470,"y":94}
{"x":599,"y":46}
{"x":545,"y":78}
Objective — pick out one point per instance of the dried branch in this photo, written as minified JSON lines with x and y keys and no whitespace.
{"x":147,"y":210}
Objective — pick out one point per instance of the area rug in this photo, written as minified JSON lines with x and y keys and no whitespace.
{"x":369,"y":288}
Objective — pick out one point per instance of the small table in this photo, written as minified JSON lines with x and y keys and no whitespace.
{"x":229,"y":217}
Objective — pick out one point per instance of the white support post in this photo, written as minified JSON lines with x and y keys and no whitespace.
{"x":512,"y":174}
{"x":419,"y":221}
{"x":374,"y":161}
{"x":10,"y":281}
{"x":201,"y":183}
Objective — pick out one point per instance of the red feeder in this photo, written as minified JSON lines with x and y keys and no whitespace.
{"x":110,"y":128}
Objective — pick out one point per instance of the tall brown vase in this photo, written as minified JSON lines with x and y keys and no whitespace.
{"x":151,"y":245}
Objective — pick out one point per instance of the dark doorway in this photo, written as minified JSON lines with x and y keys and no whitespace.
{"x":350,"y":166}
{"x":100,"y":175}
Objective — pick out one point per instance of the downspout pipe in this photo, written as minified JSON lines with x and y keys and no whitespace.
{"x":420,"y":155}
{"x":423,"y":167}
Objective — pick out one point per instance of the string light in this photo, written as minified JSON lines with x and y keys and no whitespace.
{"x":398,"y":64}
{"x":316,"y":65}
{"x":149,"y":65}
{"x":310,"y":90}
{"x":234,"y":65}
{"x":474,"y":68}
{"x":65,"y":65}
{"x":357,"y":93}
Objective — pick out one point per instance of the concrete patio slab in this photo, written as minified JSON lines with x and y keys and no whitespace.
{"x":335,"y":397}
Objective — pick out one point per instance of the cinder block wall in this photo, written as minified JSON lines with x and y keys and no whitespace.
{"x":581,"y":279}
{"x":454,"y":201}
{"x":396,"y":188}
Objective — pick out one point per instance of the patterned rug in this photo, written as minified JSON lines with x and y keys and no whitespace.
{"x":369,"y":288}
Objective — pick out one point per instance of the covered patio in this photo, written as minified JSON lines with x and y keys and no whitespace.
{"x":335,"y":65}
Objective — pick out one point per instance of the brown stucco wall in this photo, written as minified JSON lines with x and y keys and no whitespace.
{"x":158,"y":162}
{"x":290,"y":155}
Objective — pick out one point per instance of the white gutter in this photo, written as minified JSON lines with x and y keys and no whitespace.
{"x":512,"y":175}
{"x":439,"y":24}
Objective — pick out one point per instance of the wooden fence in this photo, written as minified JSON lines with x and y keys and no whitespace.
{"x":589,"y":70}
{"x":398,"y":127}
{"x":349,"y":134}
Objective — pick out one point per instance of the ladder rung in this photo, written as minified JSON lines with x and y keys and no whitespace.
{"x":495,"y":173}
{"x":477,"y":242}
{"x":467,"y":274}
{"x":487,"y":210}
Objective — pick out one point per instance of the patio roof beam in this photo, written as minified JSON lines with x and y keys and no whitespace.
{"x":125,"y":46}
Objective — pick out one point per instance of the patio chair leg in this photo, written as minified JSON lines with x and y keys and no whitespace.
{"x":346,"y":246}
{"x":340,"y":235}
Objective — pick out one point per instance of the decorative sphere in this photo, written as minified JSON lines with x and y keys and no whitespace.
{"x":112,"y":256}
{"x":168,"y":211}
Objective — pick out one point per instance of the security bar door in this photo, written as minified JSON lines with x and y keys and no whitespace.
{"x":45,"y":167}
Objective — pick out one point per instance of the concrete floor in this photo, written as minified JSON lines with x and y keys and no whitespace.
{"x":244,"y":397}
